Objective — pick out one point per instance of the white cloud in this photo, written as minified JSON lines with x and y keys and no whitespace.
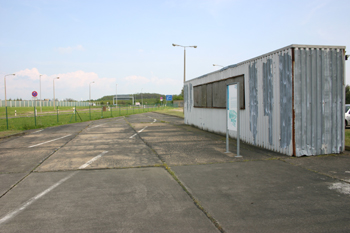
{"x":66,"y":50}
{"x":76,"y":85}
{"x":69,"y":85}
{"x":31,"y":73}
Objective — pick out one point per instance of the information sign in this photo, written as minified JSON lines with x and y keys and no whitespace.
{"x":232,"y":107}
{"x":232,"y":114}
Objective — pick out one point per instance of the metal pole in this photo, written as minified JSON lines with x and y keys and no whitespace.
{"x":238,"y":120}
{"x":34,"y":116}
{"x":41,"y":110}
{"x":5,"y":87}
{"x":54,"y":101}
{"x":90,"y":92}
{"x":54,"y":104}
{"x":57,"y":114}
{"x":184,"y":64}
{"x":5,"y":93}
{"x":116,"y":95}
{"x":7,"y":119}
{"x":227,"y":139}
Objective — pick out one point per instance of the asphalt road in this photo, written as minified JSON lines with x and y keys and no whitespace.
{"x":151,"y":173}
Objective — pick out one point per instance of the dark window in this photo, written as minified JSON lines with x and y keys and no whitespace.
{"x":213,"y":94}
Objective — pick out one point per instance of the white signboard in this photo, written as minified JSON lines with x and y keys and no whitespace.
{"x":232,"y":110}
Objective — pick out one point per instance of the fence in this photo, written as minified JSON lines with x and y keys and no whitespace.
{"x":36,"y":103}
{"x":25,"y":118}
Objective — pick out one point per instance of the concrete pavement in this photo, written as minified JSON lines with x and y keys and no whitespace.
{"x":151,"y":173}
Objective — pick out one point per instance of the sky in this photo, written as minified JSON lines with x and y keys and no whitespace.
{"x":125,"y":47}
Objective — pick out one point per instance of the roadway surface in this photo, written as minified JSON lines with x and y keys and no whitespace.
{"x":151,"y":173}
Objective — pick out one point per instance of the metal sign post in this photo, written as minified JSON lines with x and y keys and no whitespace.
{"x":232,"y":113}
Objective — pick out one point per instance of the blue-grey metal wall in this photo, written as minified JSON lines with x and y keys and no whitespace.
{"x":294,"y":100}
{"x":319,"y":100}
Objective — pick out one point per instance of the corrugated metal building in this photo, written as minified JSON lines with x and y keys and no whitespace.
{"x":292,"y":100}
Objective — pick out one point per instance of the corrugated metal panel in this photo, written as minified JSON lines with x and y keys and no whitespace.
{"x":267,"y":120}
{"x":319,"y":100}
{"x":256,"y":127}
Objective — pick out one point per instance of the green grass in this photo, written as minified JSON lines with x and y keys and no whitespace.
{"x":28,"y":111}
{"x":25,"y":119}
{"x":347,"y":137}
{"x":173,"y":111}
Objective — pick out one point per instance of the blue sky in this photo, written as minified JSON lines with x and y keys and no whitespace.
{"x":129,"y":43}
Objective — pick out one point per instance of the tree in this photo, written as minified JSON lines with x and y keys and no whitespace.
{"x":347,"y":94}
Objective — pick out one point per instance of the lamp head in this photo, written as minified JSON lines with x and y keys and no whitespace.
{"x":195,"y":46}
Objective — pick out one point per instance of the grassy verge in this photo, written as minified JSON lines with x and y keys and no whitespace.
{"x":9,"y":132}
{"x":173,"y":111}
{"x":64,"y":116}
{"x":347,"y":137}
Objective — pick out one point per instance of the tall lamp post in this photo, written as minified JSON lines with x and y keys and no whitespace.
{"x":116,"y":95}
{"x":41,"y":110}
{"x":90,"y":91}
{"x":5,"y":87}
{"x":54,"y":101}
{"x":193,"y":46}
{"x":217,"y":65}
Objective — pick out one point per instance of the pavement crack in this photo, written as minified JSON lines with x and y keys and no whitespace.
{"x":312,"y":170}
{"x":42,"y":161}
{"x":174,"y":176}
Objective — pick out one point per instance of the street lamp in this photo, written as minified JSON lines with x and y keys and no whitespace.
{"x":90,"y":91}
{"x":116,"y":95}
{"x":41,"y":110}
{"x":193,"y":46}
{"x":217,"y":65}
{"x":5,"y":86}
{"x":54,"y":101}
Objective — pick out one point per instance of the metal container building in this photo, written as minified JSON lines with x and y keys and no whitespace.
{"x":292,"y":100}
